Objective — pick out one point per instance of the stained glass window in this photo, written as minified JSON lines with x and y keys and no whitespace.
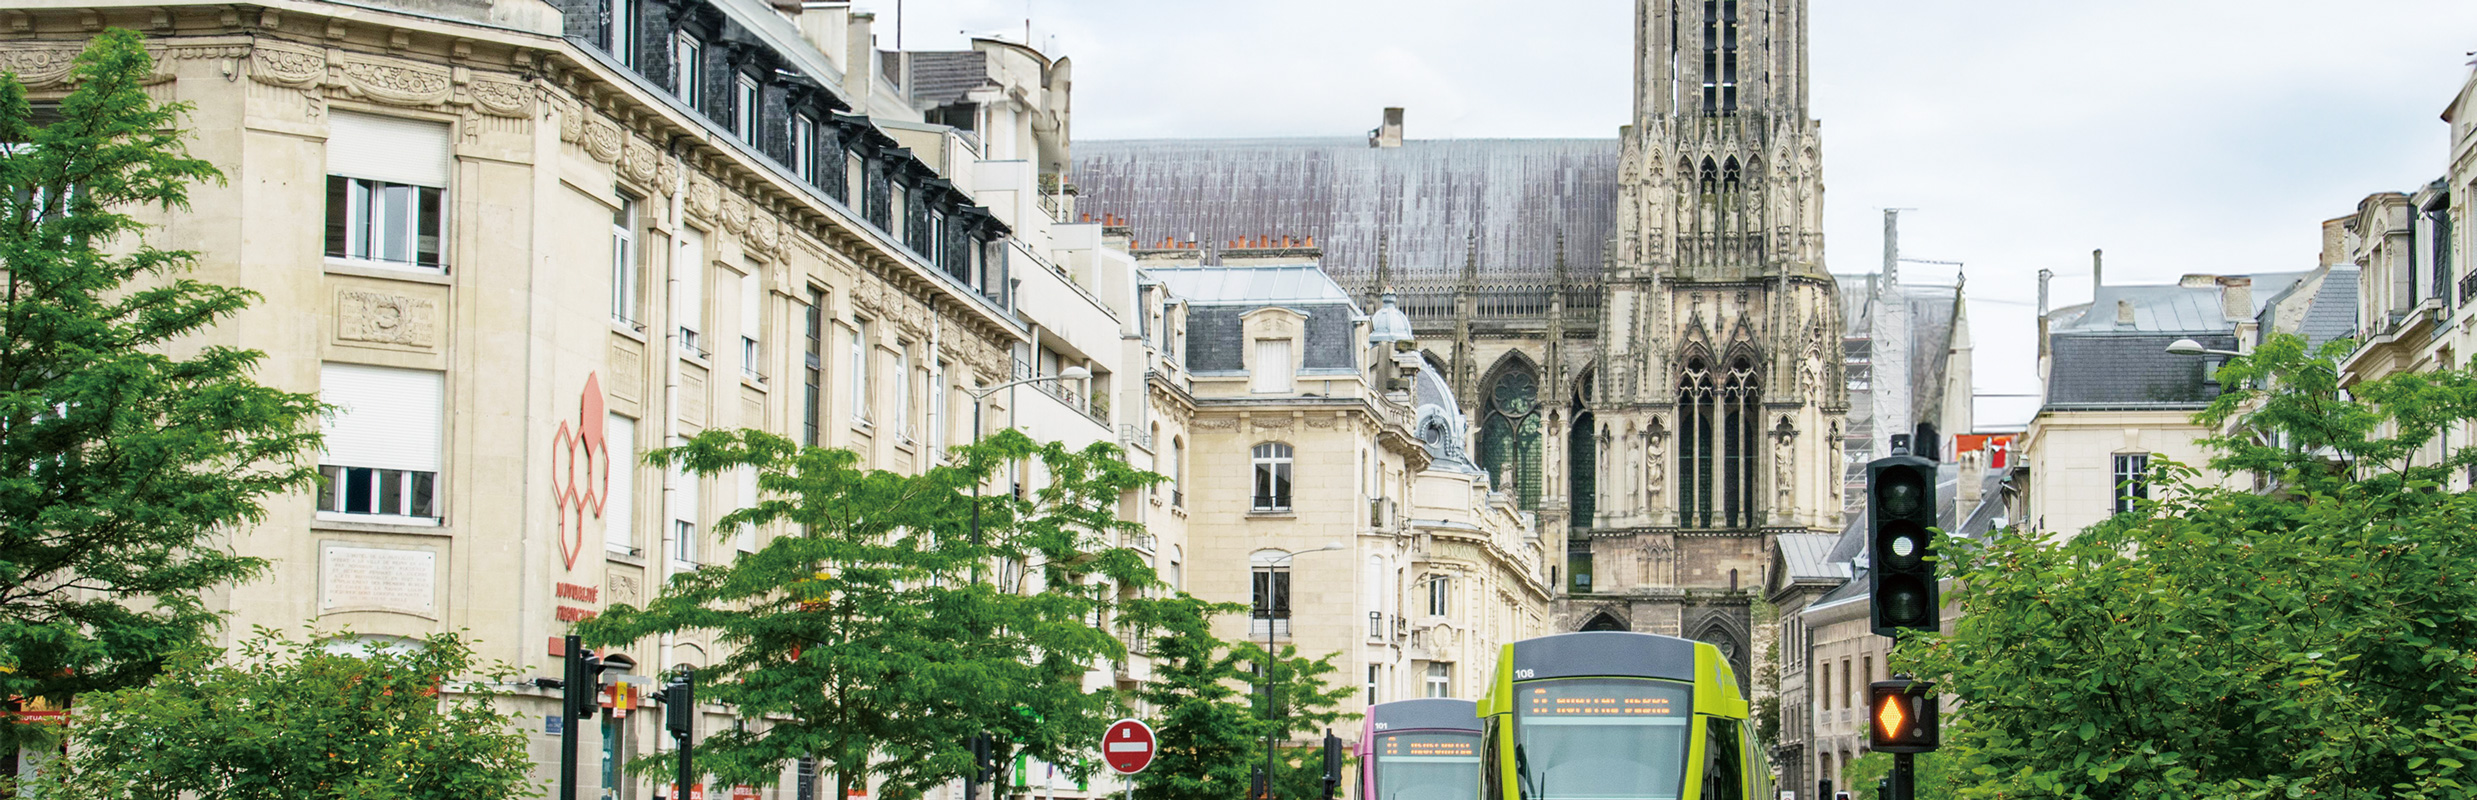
{"x":1509,"y":437}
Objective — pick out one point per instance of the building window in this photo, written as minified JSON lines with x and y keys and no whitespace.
{"x":937,"y":413}
{"x":1510,"y":436}
{"x":621,"y":32}
{"x":1845,"y":684}
{"x":1178,"y":471}
{"x":1717,"y":438}
{"x":1373,"y":672}
{"x":619,"y":501}
{"x":1270,"y":598}
{"x":803,"y":148}
{"x":900,"y":210}
{"x":744,"y":110}
{"x":860,"y":372}
{"x":2132,"y":480}
{"x":686,"y":496}
{"x":623,"y":262}
{"x":752,"y":321}
{"x":1440,"y":679}
{"x":382,"y":445}
{"x":688,"y":290}
{"x":1439,"y":587}
{"x":813,"y":369}
{"x":855,"y":181}
{"x":387,"y":190}
{"x":1273,"y":368}
{"x":902,"y":390}
{"x":688,"y":70}
{"x":1272,"y":461}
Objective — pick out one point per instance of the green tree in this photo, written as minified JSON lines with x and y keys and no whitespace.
{"x":867,"y":636}
{"x":1303,"y":705}
{"x":1205,"y":737}
{"x":2316,"y":638}
{"x":316,"y":718}
{"x":122,"y":465}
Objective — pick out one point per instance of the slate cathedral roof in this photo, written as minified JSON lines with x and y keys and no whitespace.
{"x":1430,"y":199}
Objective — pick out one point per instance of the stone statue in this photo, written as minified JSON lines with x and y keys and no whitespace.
{"x":1784,"y":471}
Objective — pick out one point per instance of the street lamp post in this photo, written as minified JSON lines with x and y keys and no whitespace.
{"x":1270,"y":730}
{"x":1069,"y":374}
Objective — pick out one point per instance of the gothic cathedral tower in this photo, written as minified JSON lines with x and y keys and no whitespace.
{"x":1714,"y":417}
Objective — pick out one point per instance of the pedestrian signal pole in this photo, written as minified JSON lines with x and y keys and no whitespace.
{"x":1902,"y":515}
{"x":579,"y":685}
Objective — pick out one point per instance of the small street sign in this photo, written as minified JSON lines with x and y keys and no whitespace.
{"x":1127,"y":747}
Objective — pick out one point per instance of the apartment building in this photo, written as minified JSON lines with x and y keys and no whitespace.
{"x":521,"y":244}
{"x":1332,"y":485}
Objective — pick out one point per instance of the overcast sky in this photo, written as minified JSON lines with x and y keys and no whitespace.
{"x":2180,"y":135}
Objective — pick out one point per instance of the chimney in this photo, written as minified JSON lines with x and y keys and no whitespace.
{"x":825,"y":25}
{"x":860,"y":60}
{"x":2124,"y":312}
{"x":2044,"y":276}
{"x":2236,"y":297}
{"x":1388,"y":135}
{"x":2335,"y":241}
{"x":2098,"y":272}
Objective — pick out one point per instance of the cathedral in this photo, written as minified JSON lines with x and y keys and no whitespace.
{"x":1641,"y":329}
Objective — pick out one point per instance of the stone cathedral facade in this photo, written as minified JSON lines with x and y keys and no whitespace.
{"x":1641,"y":330}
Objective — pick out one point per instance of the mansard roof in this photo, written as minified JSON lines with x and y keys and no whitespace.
{"x":1430,"y":200}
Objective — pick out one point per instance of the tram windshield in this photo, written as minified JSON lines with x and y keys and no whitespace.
{"x":1601,"y":738}
{"x":1427,"y":766}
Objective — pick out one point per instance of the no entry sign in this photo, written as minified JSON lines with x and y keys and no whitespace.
{"x":1127,"y":747}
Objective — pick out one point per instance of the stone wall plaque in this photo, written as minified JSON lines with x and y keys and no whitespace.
{"x":384,"y":318}
{"x":353,"y":578}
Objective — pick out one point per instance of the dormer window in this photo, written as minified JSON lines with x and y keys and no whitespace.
{"x":744,"y":110}
{"x":1273,"y":367}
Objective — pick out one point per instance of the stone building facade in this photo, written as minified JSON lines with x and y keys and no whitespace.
{"x":520,"y":244}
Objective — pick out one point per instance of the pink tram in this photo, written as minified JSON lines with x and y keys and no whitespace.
{"x":1424,"y":749}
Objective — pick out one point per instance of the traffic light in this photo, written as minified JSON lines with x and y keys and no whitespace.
{"x":580,"y":681}
{"x":1901,"y":716}
{"x":679,"y":701}
{"x":1333,"y":763}
{"x":1256,"y":786}
{"x":1901,"y":510}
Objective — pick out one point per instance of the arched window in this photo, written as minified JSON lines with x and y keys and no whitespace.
{"x":1603,"y":622}
{"x":1582,"y":459}
{"x":1710,"y":177}
{"x":1731,"y":177}
{"x":1272,"y":460}
{"x":1719,"y":57}
{"x":1509,"y":436}
{"x":1178,"y":471}
{"x":1717,"y":439}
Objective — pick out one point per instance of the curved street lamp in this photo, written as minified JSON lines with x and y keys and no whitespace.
{"x":1269,"y":729}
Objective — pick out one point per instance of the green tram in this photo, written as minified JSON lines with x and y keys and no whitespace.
{"x":1617,"y":716}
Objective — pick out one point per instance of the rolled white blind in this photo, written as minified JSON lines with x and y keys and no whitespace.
{"x":619,"y":507}
{"x":1272,"y":368}
{"x":752,"y":293}
{"x":688,"y":280}
{"x":389,"y":149}
{"x":386,"y":418}
{"x":746,"y":538}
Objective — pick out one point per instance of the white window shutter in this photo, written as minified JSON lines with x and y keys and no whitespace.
{"x":1272,"y":367}
{"x":391,"y":149}
{"x":385,"y":418}
{"x":619,"y":507}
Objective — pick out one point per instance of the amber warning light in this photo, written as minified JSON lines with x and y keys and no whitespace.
{"x":1904,"y":712}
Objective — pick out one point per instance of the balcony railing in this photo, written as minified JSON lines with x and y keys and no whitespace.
{"x":2468,"y":287}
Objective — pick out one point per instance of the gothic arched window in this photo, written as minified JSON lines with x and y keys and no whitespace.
{"x":1509,"y":436}
{"x":1731,"y":176}
{"x":1719,"y":57}
{"x":1582,"y":459}
{"x":1711,"y":177}
{"x":1719,"y":414}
